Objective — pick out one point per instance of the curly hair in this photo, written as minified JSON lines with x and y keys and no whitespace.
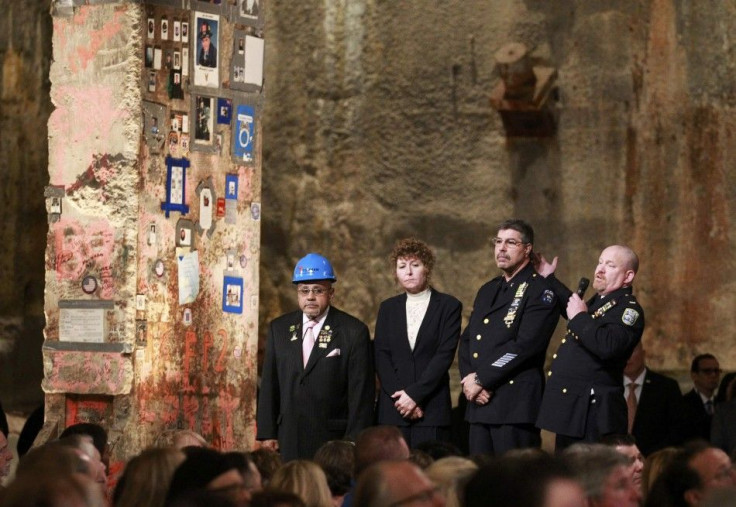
{"x":412,"y":248}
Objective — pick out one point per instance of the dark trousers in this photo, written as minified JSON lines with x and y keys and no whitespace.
{"x":415,"y":435}
{"x":496,"y":439}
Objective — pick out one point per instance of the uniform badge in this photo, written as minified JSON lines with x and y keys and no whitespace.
{"x":629,"y":317}
{"x":548,"y":296}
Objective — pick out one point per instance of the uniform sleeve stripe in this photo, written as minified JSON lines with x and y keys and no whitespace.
{"x":504,"y":360}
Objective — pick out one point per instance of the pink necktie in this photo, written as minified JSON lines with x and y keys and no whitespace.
{"x":308,"y":341}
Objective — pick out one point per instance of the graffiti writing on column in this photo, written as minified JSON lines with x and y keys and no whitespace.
{"x":199,"y":391}
{"x":84,"y":248}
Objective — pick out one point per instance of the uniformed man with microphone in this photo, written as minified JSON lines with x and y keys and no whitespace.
{"x":583,"y":398}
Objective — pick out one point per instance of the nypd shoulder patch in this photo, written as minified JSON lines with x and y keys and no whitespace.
{"x":630,"y":316}
{"x":548,"y":297}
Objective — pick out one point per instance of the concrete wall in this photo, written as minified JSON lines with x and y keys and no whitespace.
{"x":379,"y":127}
{"x":163,"y":357}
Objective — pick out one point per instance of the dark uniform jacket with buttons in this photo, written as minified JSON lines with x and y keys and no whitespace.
{"x":331,"y":398}
{"x":591,"y":358}
{"x":505,"y":344}
{"x":422,"y":372}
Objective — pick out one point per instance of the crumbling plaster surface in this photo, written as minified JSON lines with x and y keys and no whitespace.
{"x":386,"y":131}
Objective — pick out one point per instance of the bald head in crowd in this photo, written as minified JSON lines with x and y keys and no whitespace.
{"x":379,"y":443}
{"x":396,"y":483}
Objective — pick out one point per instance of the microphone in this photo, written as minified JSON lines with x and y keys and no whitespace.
{"x":582,"y":287}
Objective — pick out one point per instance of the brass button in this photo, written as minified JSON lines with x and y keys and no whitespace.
{"x":475,"y":355}
{"x":564,"y":340}
{"x":477,"y":337}
{"x":511,"y":381}
{"x":485,"y":321}
{"x":549,"y":373}
{"x":564,"y":389}
{"x":554,"y":356}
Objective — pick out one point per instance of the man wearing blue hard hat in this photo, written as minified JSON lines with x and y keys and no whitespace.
{"x":318,"y":381}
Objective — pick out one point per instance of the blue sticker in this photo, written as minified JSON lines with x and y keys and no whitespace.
{"x":243,"y":133}
{"x":231,"y":186}
{"x":232,"y":294}
{"x":224,"y":111}
{"x":548,"y":297}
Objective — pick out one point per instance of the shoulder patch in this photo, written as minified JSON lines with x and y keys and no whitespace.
{"x":548,"y":297}
{"x":630,"y":316}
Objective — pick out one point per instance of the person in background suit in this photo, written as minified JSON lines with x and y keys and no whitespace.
{"x":318,"y":382}
{"x":583,"y":399}
{"x":415,"y":341}
{"x":503,"y":347}
{"x":657,"y":420}
{"x":700,"y":401}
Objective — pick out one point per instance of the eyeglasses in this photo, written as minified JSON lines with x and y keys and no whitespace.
{"x":511,"y":243}
{"x":317,"y":291}
{"x":710,"y":371}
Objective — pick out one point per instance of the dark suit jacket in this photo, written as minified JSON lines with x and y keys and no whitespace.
{"x":698,"y":420}
{"x":332,"y":398}
{"x":509,"y":358}
{"x":423,"y":372}
{"x":592,"y":356}
{"x":659,"y":418}
{"x":723,"y":429}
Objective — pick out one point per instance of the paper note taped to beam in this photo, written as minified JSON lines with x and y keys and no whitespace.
{"x":83,"y":320}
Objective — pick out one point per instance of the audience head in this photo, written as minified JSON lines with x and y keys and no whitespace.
{"x":207,"y":469}
{"x":705,"y":373}
{"x":604,"y":474}
{"x":6,"y":456}
{"x":337,"y":459}
{"x":395,"y":483}
{"x":273,"y":498}
{"x":379,"y":443}
{"x":654,"y":465}
{"x":84,"y":445}
{"x":712,"y":464}
{"x":53,"y":489}
{"x":524,"y":480}
{"x":626,"y":445}
{"x":52,"y":459}
{"x":267,"y":461}
{"x":451,"y":474}
{"x":248,"y":470}
{"x":97,"y":433}
{"x":180,"y":439}
{"x":305,"y":479}
{"x":146,"y":478}
{"x":677,"y":485}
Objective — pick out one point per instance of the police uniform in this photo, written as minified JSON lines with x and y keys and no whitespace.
{"x":583,"y":399}
{"x":505,"y":344}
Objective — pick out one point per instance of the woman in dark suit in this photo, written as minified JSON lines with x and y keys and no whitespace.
{"x":416,"y":337}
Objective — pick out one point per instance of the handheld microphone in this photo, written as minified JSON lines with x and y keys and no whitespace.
{"x":582,"y":287}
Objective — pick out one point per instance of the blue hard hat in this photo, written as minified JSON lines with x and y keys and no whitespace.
{"x":313,"y":267}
